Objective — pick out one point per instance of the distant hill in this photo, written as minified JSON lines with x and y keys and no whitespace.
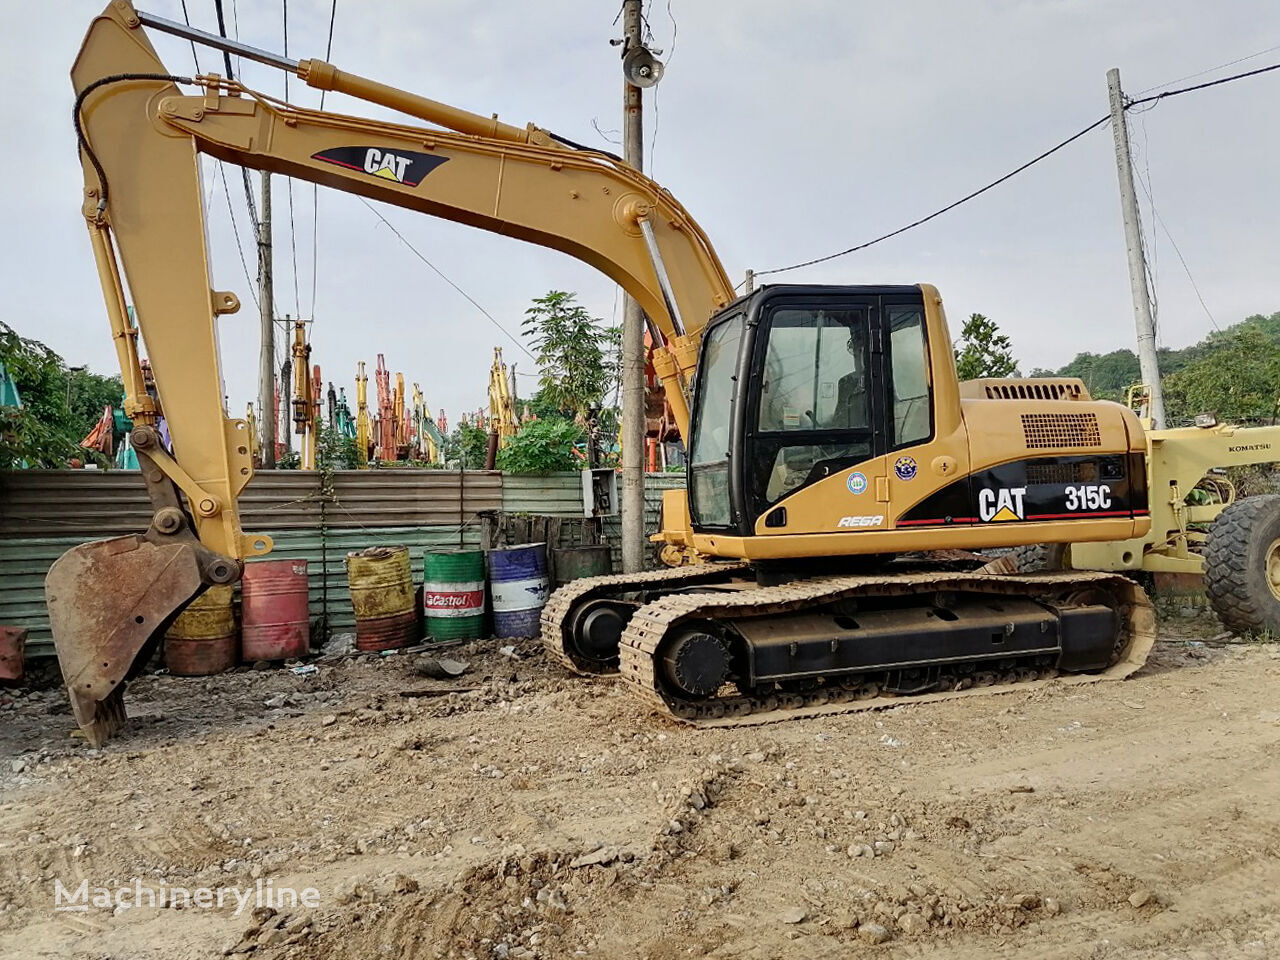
{"x":1234,"y":373}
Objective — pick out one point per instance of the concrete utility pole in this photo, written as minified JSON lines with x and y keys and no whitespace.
{"x":266,"y":355}
{"x":1147,"y":360}
{"x":633,"y":405}
{"x":749,"y":284}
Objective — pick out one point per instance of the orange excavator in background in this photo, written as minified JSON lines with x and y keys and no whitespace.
{"x":827,"y":429}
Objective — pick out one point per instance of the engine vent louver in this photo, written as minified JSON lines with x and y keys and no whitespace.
{"x":1061,"y":430}
{"x":1045,"y":390}
{"x":1080,"y":472}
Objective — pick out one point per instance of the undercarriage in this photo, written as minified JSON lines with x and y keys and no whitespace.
{"x":711,"y":647}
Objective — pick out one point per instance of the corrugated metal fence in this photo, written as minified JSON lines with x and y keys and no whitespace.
{"x":44,"y":513}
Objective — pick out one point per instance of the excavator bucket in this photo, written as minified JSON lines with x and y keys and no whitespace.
{"x":107,"y":599}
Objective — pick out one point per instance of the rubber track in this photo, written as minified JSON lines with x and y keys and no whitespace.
{"x":564,"y":598}
{"x":654,"y":621}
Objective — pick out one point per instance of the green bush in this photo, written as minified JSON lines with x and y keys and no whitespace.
{"x":542,"y":446}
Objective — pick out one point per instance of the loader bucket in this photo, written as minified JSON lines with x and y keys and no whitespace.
{"x":106,"y":600}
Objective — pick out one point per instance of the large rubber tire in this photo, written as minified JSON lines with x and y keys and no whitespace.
{"x":1039,"y":557}
{"x":1242,"y":565}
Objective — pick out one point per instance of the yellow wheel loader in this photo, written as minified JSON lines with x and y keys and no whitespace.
{"x":827,"y":430}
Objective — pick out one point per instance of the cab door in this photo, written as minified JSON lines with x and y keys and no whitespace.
{"x":820,"y":404}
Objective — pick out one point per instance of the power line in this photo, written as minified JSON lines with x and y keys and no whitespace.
{"x":1202,"y":86}
{"x":1155,"y":215}
{"x":671,"y":53}
{"x":222,"y":169}
{"x":193,"y":43}
{"x":374,"y":210}
{"x":244,"y":172}
{"x":293,"y":233}
{"x":1201,"y":73}
{"x":951,"y":206}
{"x":995,"y":183}
{"x":315,"y":188}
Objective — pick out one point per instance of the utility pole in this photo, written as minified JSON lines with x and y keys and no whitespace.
{"x":749,"y":284}
{"x":633,"y":405}
{"x":1148,"y":362}
{"x":267,"y":348}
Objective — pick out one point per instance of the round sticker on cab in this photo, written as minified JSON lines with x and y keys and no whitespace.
{"x":905,"y":468}
{"x":857,"y":483}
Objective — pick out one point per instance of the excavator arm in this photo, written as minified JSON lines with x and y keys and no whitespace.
{"x":141,"y":139}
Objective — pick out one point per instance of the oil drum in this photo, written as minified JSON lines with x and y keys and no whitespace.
{"x":591,"y":560}
{"x":202,"y":640}
{"x":453,"y":594}
{"x":382,"y":596}
{"x":275,"y":623}
{"x":518,"y":585}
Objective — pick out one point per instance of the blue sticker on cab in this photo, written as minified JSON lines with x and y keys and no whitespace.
{"x":905,"y":468}
{"x":857,"y":483}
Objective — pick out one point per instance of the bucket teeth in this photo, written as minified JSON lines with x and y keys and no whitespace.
{"x":108,"y":717}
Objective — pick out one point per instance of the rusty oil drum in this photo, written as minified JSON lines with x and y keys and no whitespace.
{"x":382,"y":595}
{"x":202,"y":640}
{"x":275,"y":623}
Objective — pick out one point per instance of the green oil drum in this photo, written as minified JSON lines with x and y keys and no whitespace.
{"x":453,"y":594}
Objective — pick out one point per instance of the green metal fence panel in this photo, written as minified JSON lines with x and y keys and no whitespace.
{"x":553,"y":495}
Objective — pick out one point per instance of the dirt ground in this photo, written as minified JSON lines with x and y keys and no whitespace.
{"x":542,"y":815}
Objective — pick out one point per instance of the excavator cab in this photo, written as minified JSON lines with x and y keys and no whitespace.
{"x":797,"y":383}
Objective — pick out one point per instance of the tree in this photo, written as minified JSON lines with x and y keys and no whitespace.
{"x":542,"y":446}
{"x":575,"y":353}
{"x":468,"y":445}
{"x":44,"y":431}
{"x":983,"y":351}
{"x":89,"y":393}
{"x":1107,"y":376}
{"x":1238,"y":380}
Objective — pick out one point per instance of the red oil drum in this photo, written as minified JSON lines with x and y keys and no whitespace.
{"x":202,"y":641}
{"x":274,"y":622}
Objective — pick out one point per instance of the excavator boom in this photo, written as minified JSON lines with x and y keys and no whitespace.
{"x":141,"y":140}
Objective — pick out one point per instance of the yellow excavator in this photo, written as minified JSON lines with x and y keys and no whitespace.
{"x":828,"y":433}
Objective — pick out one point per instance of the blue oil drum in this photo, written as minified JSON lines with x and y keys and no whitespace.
{"x":518,"y":588}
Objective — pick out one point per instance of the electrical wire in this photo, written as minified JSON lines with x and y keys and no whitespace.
{"x":1129,"y":104}
{"x":1155,"y":215}
{"x":1201,"y":86}
{"x":1201,"y":73}
{"x":440,"y":273}
{"x":193,"y":43}
{"x":244,"y":171}
{"x":671,"y":53}
{"x":315,"y":188}
{"x":293,"y":233}
{"x":222,"y":169}
{"x":937,"y":213}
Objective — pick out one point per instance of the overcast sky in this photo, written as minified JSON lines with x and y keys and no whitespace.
{"x":789,"y":130}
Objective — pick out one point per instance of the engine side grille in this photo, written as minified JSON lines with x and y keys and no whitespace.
{"x":1061,"y":430}
{"x":1080,"y":472}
